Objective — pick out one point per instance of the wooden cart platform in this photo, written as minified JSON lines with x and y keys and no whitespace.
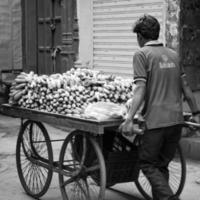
{"x":83,"y":124}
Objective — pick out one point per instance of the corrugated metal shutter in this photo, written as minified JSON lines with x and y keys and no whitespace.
{"x":113,"y":41}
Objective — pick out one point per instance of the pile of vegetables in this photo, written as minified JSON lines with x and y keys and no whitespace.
{"x":68,"y":93}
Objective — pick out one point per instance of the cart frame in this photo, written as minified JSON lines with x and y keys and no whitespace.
{"x":91,"y":133}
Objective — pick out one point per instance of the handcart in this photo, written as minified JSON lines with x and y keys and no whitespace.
{"x":92,"y":157}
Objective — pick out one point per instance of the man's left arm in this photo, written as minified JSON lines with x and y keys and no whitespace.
{"x":140,"y":78}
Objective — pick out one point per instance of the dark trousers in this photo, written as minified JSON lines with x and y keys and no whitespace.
{"x":158,"y":147}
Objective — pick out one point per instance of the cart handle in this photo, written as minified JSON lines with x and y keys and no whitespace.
{"x":195,"y":125}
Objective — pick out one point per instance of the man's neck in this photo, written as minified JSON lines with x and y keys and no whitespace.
{"x":144,"y":42}
{"x":152,"y":42}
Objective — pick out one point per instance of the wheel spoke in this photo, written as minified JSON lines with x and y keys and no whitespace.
{"x":70,"y":167}
{"x":31,"y":178}
{"x":88,"y":190}
{"x":92,"y":169}
{"x":25,"y":144}
{"x":26,"y":166}
{"x":70,"y":180}
{"x":39,"y":178}
{"x":42,"y":174}
{"x":82,"y":189}
{"x":34,"y":181}
{"x":39,"y":182}
{"x":28,"y":173}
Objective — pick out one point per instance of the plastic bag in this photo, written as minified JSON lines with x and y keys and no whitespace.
{"x":103,"y":111}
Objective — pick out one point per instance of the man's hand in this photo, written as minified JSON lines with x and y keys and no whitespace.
{"x":196,"y":118}
{"x":194,"y":123}
{"x":127,"y":128}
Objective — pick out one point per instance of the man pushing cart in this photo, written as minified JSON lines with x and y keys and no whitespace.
{"x":160,"y":83}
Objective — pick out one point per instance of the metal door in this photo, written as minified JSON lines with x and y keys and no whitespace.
{"x":50,"y":35}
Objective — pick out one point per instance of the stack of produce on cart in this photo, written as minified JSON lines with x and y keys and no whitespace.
{"x":68,"y":93}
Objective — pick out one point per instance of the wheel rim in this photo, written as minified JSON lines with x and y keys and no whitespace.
{"x":33,"y":143}
{"x":78,"y":182}
{"x":177,"y":171}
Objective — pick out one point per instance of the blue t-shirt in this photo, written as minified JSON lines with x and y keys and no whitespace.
{"x":159,"y":67}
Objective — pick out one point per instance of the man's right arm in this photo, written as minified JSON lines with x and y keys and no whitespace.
{"x":190,"y":98}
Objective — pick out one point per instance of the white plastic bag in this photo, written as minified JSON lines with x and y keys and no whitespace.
{"x":103,"y":111}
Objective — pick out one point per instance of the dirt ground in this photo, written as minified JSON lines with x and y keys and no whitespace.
{"x":11,"y":189}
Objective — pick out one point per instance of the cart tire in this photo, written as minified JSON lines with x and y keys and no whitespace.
{"x":35,"y":179}
{"x":177,"y":175}
{"x":82,"y":161}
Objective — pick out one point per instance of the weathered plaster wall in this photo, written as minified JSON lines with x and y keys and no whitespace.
{"x":84,"y":12}
{"x":172,"y":23}
{"x":10,"y":34}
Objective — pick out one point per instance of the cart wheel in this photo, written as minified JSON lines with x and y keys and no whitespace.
{"x":83,"y":174}
{"x":177,"y":173}
{"x":33,"y":143}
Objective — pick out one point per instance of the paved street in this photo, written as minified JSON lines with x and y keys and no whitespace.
{"x":10,"y":187}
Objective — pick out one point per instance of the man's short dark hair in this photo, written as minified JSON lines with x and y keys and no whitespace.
{"x":148,"y":26}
